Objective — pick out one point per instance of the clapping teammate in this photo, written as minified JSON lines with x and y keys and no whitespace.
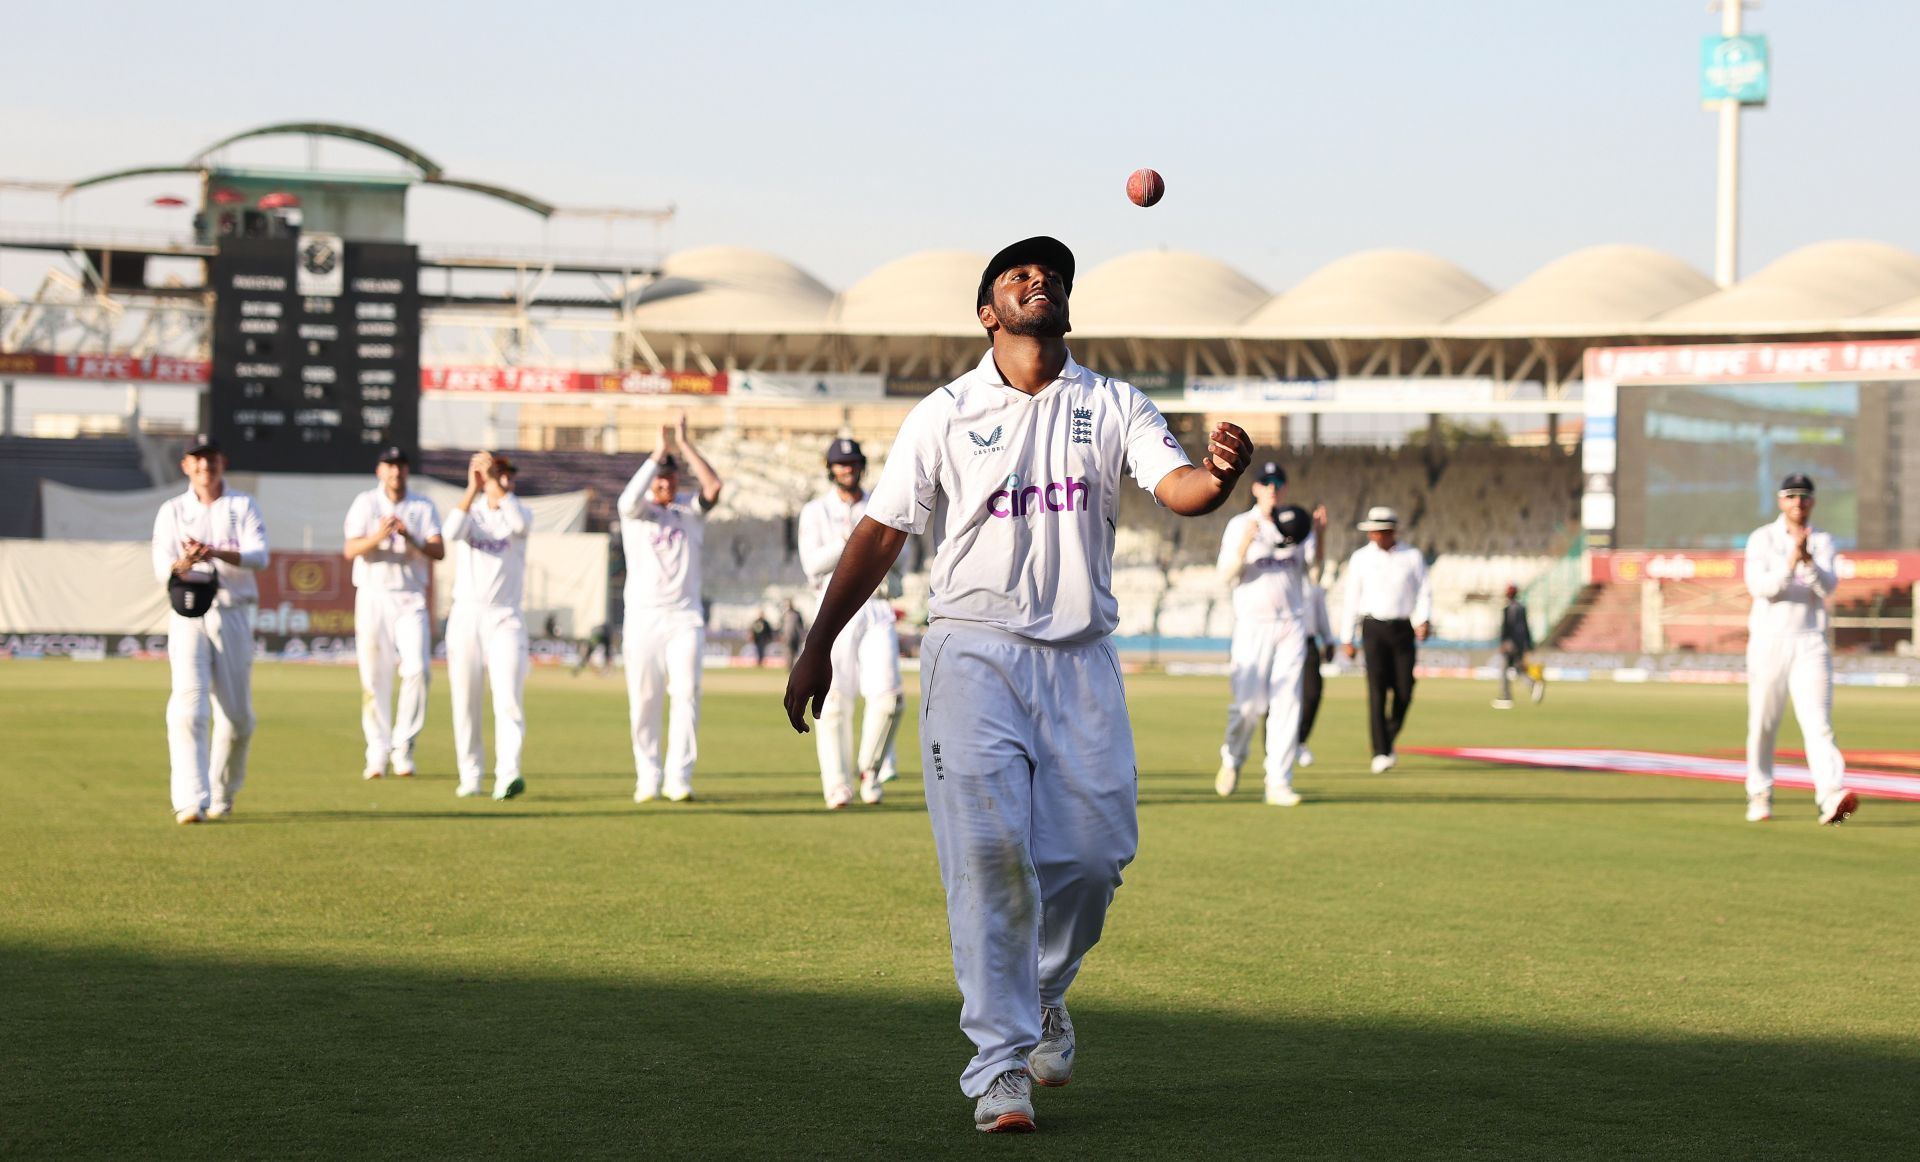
{"x":209,"y":540}
{"x":486,"y":636}
{"x":392,"y":533}
{"x":666,"y":631}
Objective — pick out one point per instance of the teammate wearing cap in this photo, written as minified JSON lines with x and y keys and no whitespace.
{"x":1265,"y":553}
{"x":486,"y":638}
{"x":866,"y":655}
{"x":666,"y":632}
{"x":392,"y":534}
{"x":207,"y":543}
{"x":1388,"y":606}
{"x":1789,"y":571}
{"x":1516,"y":642}
{"x":1028,"y":757}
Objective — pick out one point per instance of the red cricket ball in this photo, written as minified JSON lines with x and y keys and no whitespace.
{"x":1145,"y":187}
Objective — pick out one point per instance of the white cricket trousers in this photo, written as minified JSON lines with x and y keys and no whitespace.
{"x":391,"y":626}
{"x":212,"y":662}
{"x":1795,"y":665}
{"x":661,"y":652}
{"x":487,"y":646}
{"x":866,"y":661}
{"x":1031,"y":789}
{"x":1267,"y":668}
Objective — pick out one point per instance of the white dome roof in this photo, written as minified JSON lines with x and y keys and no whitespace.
{"x":1596,"y":287}
{"x":1372,"y":289}
{"x":1153,"y":292}
{"x":1817,"y":283}
{"x":929,"y":293}
{"x":722,"y":289}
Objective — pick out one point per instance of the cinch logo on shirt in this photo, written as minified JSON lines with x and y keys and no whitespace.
{"x":488,"y":545}
{"x":1014,"y":500}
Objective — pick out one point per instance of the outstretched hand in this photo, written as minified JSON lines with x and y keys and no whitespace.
{"x":807,"y":686}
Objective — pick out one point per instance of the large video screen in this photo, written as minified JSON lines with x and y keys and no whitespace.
{"x":1714,"y":456}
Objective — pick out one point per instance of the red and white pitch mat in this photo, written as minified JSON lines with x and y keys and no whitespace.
{"x":1879,"y":784}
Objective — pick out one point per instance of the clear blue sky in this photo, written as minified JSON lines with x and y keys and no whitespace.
{"x":1498,"y":134}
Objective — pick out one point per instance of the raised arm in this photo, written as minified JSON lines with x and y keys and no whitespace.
{"x":1824,"y":577}
{"x":870,"y":552}
{"x":628,"y":505}
{"x":702,"y":471}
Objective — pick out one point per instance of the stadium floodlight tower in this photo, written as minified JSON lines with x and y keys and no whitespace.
{"x":1734,"y":74}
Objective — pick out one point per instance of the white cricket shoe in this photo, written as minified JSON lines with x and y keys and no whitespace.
{"x":219,"y":810}
{"x":1306,"y":757}
{"x":1227,"y":781}
{"x":1503,"y":704}
{"x":682,"y":795}
{"x":1760,"y":807}
{"x":1051,"y":1061}
{"x":1286,"y":798}
{"x":1007,"y":1106}
{"x":872,"y":787}
{"x":1840,"y":808}
{"x":839,"y":797}
{"x":1382,"y":763}
{"x":194,"y":815}
{"x":469,"y":792}
{"x":643,"y":795}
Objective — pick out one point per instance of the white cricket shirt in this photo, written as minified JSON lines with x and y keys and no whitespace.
{"x":663,"y":544}
{"x":393,"y":565}
{"x":1788,"y":598}
{"x":490,"y":552}
{"x":1271,"y":584}
{"x":1021,"y":493}
{"x":232,"y":523}
{"x":826,"y":522}
{"x":1386,"y":585}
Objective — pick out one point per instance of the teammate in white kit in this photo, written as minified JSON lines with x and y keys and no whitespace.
{"x":207,"y":543}
{"x":1028,"y":756}
{"x":1789,"y":571}
{"x":486,"y":637}
{"x":666,"y":632}
{"x":1265,"y":554}
{"x":866,"y":655}
{"x":392,"y":534}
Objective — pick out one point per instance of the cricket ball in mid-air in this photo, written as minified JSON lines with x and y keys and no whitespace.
{"x":1145,"y":187}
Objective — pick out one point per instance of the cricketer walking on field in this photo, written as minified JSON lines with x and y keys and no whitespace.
{"x":866,"y":655}
{"x":207,"y":543}
{"x":1027,"y":752}
{"x":1790,"y":573}
{"x":1265,"y":555}
{"x":486,"y":635}
{"x":666,"y":632}
{"x":392,"y":534}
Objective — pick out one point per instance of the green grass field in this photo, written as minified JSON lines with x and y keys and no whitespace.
{"x":1443,"y":961}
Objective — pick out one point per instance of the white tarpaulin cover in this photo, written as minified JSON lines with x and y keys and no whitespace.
{"x":302,"y":512}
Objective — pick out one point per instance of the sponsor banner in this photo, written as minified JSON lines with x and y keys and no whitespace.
{"x":126,"y":368}
{"x":1678,"y":766}
{"x":566,"y":381}
{"x":1757,"y":362}
{"x":1730,"y":565}
{"x":806,"y":386}
{"x":305,"y":595}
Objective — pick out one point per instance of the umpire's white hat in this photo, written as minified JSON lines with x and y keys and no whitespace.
{"x":1380,"y":519}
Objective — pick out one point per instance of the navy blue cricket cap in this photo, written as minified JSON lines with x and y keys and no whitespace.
{"x":395,"y":454}
{"x":1798,"y":484}
{"x":1048,"y":252}
{"x":1271,"y":473}
{"x":203,"y":445}
{"x":845,"y":451}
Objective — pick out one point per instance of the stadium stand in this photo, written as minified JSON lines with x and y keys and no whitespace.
{"x":110,"y":464}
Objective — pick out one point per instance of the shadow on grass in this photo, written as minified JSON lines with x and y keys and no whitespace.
{"x":120,"y":1054}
